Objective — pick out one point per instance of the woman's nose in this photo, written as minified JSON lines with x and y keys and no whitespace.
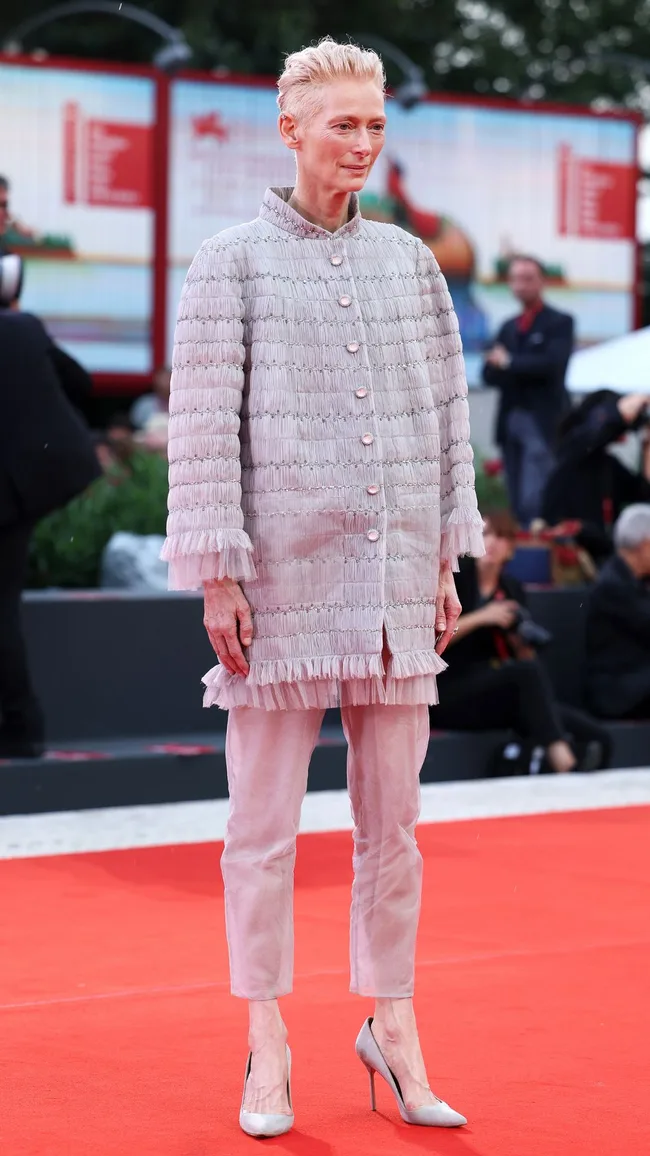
{"x":362,"y":143}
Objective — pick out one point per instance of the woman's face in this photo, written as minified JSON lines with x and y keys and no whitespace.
{"x":498,"y":550}
{"x":338,"y":145}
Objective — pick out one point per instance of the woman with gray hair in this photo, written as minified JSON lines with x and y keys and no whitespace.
{"x":618,"y":623}
{"x":321,"y":492}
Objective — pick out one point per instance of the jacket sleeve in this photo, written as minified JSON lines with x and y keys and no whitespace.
{"x":554,"y":355}
{"x":629,"y":487}
{"x":76,"y":382}
{"x":205,"y":527}
{"x":628,"y":611}
{"x":602,"y":425}
{"x":492,"y":375}
{"x":461,"y":523}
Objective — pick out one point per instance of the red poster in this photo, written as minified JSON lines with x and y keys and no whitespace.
{"x":106,"y":163}
{"x":596,"y":199}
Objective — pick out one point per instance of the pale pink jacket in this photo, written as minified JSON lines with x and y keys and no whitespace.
{"x":319,"y":453}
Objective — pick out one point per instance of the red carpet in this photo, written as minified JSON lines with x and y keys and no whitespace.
{"x":533,"y":988}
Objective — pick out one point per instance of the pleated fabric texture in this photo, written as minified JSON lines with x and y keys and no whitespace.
{"x":319,"y":454}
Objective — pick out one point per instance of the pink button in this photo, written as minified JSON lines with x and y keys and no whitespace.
{"x":361,"y":392}
{"x":367,"y":439}
{"x":345,"y":301}
{"x":373,"y":535}
{"x":336,"y":260}
{"x":353,"y":347}
{"x":373,"y":490}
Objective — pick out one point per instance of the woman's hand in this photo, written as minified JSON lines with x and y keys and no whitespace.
{"x":228,"y":621}
{"x":500,"y":614}
{"x":448,"y":608}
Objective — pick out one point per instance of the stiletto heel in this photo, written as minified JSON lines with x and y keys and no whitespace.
{"x":261,"y":1124}
{"x":438,"y":1115}
{"x":373,"y":1100}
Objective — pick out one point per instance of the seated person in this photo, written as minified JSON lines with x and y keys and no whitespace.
{"x":589,"y":483}
{"x":495,"y":680}
{"x":155,"y":404}
{"x":618,"y":623}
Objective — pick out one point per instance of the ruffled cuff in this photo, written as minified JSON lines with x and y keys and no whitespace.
{"x":208,"y":555}
{"x":462,"y":534}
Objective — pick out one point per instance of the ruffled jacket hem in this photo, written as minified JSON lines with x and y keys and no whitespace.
{"x":206,"y":555}
{"x":462,"y":535}
{"x":357,"y":680}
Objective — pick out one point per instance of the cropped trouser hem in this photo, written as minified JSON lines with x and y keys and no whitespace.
{"x":267,"y":756}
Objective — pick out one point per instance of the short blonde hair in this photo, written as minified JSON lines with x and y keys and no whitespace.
{"x":310,"y":68}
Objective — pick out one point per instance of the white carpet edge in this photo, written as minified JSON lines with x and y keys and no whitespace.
{"x":169,"y":824}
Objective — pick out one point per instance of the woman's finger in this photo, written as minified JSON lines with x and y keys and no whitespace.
{"x":235,"y":652}
{"x":245,"y":624}
{"x":220,"y":646}
{"x":453,"y":611}
{"x":443,"y":642}
{"x":441,"y":617}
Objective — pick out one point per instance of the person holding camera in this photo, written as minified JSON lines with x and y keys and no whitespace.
{"x":589,"y":483}
{"x":495,"y":680}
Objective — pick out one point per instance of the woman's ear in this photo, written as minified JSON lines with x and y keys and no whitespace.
{"x":288,"y":130}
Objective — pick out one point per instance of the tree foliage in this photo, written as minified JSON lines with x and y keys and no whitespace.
{"x":584,"y":51}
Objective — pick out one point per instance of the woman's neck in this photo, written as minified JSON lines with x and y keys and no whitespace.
{"x":322,"y":207}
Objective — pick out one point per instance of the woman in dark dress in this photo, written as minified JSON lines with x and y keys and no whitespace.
{"x":495,"y":680}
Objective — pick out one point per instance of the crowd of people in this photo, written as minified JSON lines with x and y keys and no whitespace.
{"x":558,"y":467}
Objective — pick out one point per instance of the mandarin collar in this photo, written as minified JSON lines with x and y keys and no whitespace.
{"x":277,"y":211}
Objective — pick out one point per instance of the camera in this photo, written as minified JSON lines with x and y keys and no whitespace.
{"x":530,"y":631}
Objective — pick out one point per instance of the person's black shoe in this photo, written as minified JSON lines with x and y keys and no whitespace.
{"x":591,"y":756}
{"x":22,"y":732}
{"x":14,"y":747}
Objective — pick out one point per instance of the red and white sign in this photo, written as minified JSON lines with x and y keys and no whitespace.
{"x":597,"y":199}
{"x":106,"y":163}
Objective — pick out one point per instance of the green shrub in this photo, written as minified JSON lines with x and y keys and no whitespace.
{"x":67,"y":546}
{"x":491,"y":489}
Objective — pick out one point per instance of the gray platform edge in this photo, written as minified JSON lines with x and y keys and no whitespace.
{"x":136,"y":779}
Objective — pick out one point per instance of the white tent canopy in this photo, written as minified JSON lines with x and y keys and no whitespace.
{"x":622,"y":364}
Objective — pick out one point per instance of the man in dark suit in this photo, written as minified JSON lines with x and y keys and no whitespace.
{"x":528,"y":365}
{"x":46,"y":458}
{"x":618,"y":623}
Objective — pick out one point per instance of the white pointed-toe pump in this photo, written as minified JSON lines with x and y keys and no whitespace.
{"x":262,"y":1124}
{"x":438,"y":1115}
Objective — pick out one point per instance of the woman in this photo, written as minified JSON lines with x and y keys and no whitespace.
{"x":321,"y":484}
{"x":495,"y":679}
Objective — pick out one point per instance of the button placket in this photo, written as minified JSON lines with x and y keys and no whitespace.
{"x":361,"y":393}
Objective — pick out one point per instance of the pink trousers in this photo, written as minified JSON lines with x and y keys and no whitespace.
{"x":267,"y":754}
